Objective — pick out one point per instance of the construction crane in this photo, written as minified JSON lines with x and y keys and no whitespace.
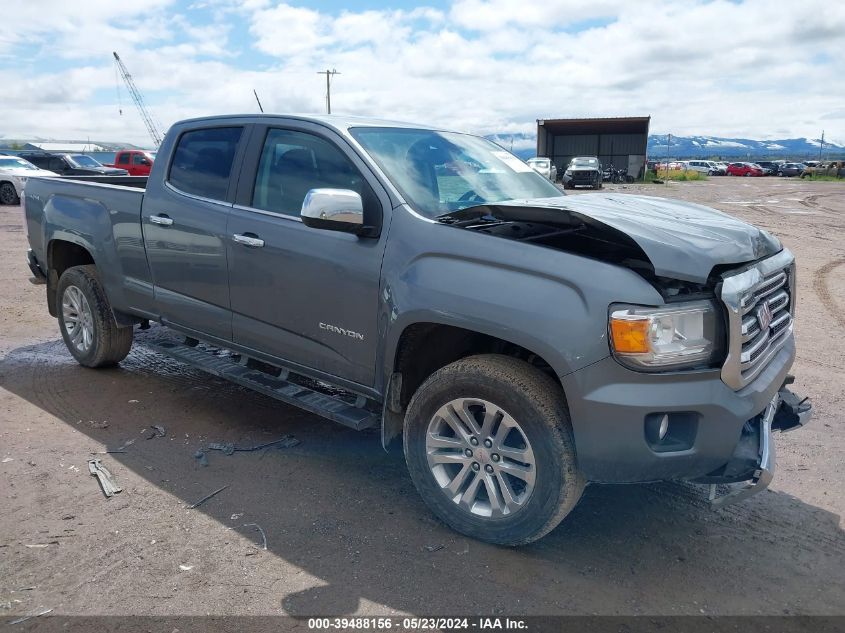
{"x":139,"y":101}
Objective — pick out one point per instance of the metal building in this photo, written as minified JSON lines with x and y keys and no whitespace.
{"x":620,"y":141}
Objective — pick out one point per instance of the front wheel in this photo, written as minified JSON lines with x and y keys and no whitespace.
{"x":86,"y":321}
{"x":489,"y":447}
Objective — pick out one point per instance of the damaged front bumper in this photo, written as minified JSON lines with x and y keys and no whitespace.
{"x":755,"y":452}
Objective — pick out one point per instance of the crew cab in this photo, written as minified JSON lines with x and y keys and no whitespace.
{"x":521,"y":343}
{"x":136,"y":162}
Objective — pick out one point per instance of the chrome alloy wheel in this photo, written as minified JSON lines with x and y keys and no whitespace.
{"x":78,"y":318}
{"x":480,"y":457}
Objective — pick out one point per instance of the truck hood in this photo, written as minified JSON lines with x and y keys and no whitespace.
{"x":681,"y":240}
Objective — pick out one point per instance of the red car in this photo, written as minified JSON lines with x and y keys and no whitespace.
{"x":744,"y":169}
{"x":137,"y":162}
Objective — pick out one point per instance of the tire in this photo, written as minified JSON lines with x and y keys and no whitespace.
{"x":8,"y":195}
{"x":524,"y":396}
{"x":86,"y":321}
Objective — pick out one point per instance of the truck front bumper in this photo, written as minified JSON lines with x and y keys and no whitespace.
{"x":785,"y":412}
{"x":618,"y":417}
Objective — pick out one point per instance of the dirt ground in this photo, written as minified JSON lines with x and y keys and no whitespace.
{"x":345,"y":530}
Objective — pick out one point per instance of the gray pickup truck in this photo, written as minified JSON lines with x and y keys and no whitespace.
{"x":430,"y":284}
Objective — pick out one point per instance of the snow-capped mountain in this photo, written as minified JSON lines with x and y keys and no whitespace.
{"x":524,"y":146}
{"x":706,"y":146}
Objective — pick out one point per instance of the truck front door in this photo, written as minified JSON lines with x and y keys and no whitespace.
{"x":184,"y":221}
{"x":304,"y":295}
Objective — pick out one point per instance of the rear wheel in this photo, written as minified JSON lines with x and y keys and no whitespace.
{"x":86,"y":321}
{"x":8,"y":195}
{"x":489,"y":447}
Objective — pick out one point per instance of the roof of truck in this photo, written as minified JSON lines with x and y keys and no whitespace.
{"x":339,"y":122}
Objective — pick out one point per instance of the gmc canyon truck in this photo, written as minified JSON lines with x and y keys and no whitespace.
{"x":521,"y":343}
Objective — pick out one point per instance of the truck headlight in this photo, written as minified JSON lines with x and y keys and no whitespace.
{"x":677,"y":336}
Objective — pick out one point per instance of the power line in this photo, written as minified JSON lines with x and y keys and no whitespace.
{"x":329,"y":74}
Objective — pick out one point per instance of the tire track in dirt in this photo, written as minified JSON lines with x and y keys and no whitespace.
{"x":812,"y":202}
{"x":822,"y":289}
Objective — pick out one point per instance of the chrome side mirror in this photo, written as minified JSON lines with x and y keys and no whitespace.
{"x":334,"y":210}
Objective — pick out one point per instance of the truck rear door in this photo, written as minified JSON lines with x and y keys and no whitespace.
{"x":184,"y":219}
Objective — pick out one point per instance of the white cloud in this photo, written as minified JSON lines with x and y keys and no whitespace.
{"x":755,"y":69}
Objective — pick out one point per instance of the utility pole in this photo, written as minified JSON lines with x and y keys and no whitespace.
{"x":668,"y":145}
{"x":821,"y":147}
{"x":258,"y":100}
{"x":329,"y":74}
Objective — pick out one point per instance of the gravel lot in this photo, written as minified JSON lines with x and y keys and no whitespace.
{"x":345,"y":530}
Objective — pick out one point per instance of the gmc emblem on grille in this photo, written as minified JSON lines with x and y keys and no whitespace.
{"x":764,"y":315}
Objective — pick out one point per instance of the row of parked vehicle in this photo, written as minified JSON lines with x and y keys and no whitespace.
{"x":760,"y":168}
{"x":15,"y":170}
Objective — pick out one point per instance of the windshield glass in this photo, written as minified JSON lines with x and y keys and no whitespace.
{"x":584,"y":162}
{"x":538,"y":162}
{"x":442,"y":172}
{"x":7,"y":162}
{"x":81,"y":160}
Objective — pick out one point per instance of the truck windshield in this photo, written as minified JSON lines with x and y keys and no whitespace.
{"x":81,"y":160}
{"x":442,"y":172}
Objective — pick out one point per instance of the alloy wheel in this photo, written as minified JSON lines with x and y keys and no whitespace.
{"x":78,"y":318}
{"x":480,"y":457}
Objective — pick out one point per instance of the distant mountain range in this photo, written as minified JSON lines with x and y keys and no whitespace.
{"x":706,"y":146}
{"x":524,"y":146}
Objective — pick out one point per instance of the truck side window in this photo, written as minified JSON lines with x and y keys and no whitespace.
{"x":202,"y":161}
{"x":138,"y":159}
{"x":292,"y":163}
{"x":123,"y":159}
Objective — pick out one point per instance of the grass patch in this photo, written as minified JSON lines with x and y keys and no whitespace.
{"x":681,"y":175}
{"x":678,"y":175}
{"x":824,"y":178}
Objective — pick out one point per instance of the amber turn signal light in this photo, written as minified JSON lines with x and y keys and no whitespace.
{"x":630,"y":335}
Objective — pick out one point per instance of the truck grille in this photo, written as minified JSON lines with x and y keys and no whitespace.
{"x":759,"y":302}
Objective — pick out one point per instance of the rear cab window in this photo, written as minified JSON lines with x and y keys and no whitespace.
{"x":202,"y":161}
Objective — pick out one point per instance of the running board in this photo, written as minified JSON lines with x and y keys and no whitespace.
{"x":352,"y":415}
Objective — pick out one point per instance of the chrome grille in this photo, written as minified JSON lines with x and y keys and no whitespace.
{"x":759,"y":302}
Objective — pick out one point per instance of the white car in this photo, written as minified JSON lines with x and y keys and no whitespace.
{"x":544,"y":167}
{"x":13,"y":174}
{"x":709,"y":167}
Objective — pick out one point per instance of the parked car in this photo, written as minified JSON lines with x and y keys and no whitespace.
{"x":744,"y":169}
{"x":135,"y":161}
{"x":544,"y":166}
{"x":520,"y":342}
{"x":791,"y":169}
{"x":71,"y":164}
{"x":770,"y":168}
{"x":14,"y":173}
{"x":583,"y":171}
{"x":704,"y":166}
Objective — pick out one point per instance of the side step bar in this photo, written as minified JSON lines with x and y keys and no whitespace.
{"x":352,"y":415}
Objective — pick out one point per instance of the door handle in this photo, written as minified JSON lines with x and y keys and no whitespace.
{"x":161,"y":219}
{"x":247,"y":240}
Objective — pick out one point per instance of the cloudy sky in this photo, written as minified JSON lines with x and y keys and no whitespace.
{"x":752,"y":68}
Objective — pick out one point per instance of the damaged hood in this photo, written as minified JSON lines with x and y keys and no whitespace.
{"x":681,"y":240}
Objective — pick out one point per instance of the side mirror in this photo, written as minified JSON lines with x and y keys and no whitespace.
{"x":334,"y":210}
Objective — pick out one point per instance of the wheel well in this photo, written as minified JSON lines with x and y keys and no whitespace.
{"x":62,"y":255}
{"x":426,"y":347}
